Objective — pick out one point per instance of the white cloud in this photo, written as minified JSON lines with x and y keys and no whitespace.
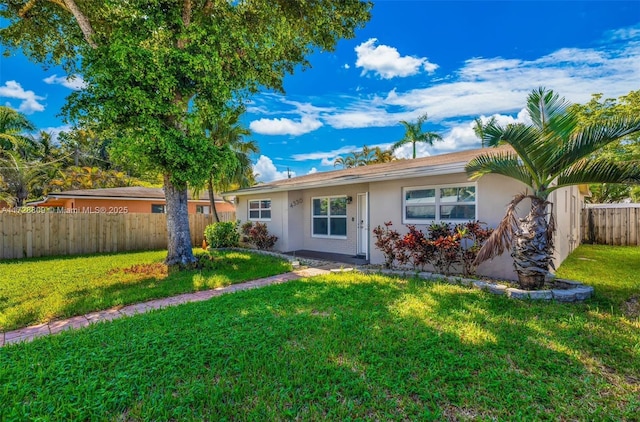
{"x":346,"y":66}
{"x":285,"y":126}
{"x":312,"y":171}
{"x":74,"y":82}
{"x":325,"y":155}
{"x":29,"y":103}
{"x":387,"y":63}
{"x":55,"y":131}
{"x":266,"y":171}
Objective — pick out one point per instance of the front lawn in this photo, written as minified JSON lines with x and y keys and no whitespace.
{"x":337,"y":347}
{"x":614,"y":271}
{"x":41,"y":289}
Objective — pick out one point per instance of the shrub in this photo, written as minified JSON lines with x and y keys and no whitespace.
{"x":445,"y":247}
{"x":222,"y":235}
{"x":386,"y":241}
{"x":260,"y":237}
{"x":414,"y":247}
{"x":472,"y":236}
{"x":245,"y":228}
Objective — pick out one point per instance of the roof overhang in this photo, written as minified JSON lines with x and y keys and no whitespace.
{"x":437,"y":170}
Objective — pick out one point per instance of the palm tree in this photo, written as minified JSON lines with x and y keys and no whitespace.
{"x":347,"y":162}
{"x":413,"y":134}
{"x":18,"y":177}
{"x":480,"y":128}
{"x":382,"y":156}
{"x":12,"y":127}
{"x":237,"y":172}
{"x":552,"y":152}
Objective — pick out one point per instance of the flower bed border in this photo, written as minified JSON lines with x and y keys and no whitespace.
{"x":574,"y":291}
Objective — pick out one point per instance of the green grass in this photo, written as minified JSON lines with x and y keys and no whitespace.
{"x":42,"y":289}
{"x":337,"y":347}
{"x":614,"y":271}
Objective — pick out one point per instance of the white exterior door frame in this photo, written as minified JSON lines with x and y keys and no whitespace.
{"x":363,"y":224}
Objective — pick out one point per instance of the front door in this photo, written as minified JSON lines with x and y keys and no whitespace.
{"x":363,"y":224}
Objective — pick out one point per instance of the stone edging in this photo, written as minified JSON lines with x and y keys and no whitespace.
{"x":575,"y":291}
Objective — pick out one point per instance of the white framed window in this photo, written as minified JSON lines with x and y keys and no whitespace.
{"x":426,"y":204}
{"x":329,"y":217}
{"x":260,"y":209}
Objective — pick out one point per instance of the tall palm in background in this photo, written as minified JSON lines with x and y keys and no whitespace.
{"x":235,"y":168}
{"x":18,"y":177}
{"x":552,"y":152}
{"x":13,"y":128}
{"x":413,"y":134}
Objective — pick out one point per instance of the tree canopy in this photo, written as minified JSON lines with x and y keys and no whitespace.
{"x":599,"y":111}
{"x":158,"y":73}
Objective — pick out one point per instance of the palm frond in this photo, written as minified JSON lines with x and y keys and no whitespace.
{"x":591,"y":139}
{"x":599,"y":171}
{"x":502,"y":237}
{"x":545,"y":106}
{"x":505,"y":164}
{"x":399,"y":144}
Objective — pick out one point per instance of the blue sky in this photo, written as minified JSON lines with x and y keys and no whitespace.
{"x":455,"y":60}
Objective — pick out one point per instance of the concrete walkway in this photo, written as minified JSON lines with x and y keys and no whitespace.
{"x":54,"y":327}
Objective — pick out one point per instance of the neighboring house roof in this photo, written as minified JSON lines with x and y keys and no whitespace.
{"x":398,"y":169}
{"x":133,"y":193}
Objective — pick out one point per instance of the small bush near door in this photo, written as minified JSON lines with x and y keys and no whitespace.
{"x":258,"y":235}
{"x":222,"y":235}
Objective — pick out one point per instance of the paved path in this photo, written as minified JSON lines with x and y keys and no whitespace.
{"x":54,"y":327}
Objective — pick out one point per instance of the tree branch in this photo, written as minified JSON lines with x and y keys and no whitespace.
{"x":83,"y":21}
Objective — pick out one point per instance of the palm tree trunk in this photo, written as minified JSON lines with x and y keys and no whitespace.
{"x":212,"y":200}
{"x":532,"y":250}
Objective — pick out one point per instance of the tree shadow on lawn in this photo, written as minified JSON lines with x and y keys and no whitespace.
{"x":345,"y":346}
{"x":140,"y":283}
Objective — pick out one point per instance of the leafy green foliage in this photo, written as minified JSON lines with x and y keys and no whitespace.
{"x":159,"y":76}
{"x":223,"y":234}
{"x":599,"y":111}
{"x":42,"y":289}
{"x":336,"y":347}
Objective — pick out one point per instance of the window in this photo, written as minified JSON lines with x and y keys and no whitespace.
{"x":422,"y":205}
{"x":158,"y":208}
{"x":203,"y":209}
{"x":260,"y":209}
{"x":329,"y":215}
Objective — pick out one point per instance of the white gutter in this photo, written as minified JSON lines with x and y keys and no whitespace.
{"x":350,"y":180}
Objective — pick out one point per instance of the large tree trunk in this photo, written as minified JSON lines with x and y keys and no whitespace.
{"x":179,"y":242}
{"x":533,"y":248}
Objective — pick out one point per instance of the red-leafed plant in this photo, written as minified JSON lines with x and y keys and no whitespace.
{"x":387,"y":242}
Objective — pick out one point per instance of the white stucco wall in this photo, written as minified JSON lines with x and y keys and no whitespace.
{"x":493,"y":193}
{"x":278,"y":223}
{"x":291,"y":215}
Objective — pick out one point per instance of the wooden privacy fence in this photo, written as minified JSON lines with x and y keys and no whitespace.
{"x":46,"y":234}
{"x":611,"y":226}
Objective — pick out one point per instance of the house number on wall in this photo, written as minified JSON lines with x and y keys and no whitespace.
{"x":295,"y":203}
